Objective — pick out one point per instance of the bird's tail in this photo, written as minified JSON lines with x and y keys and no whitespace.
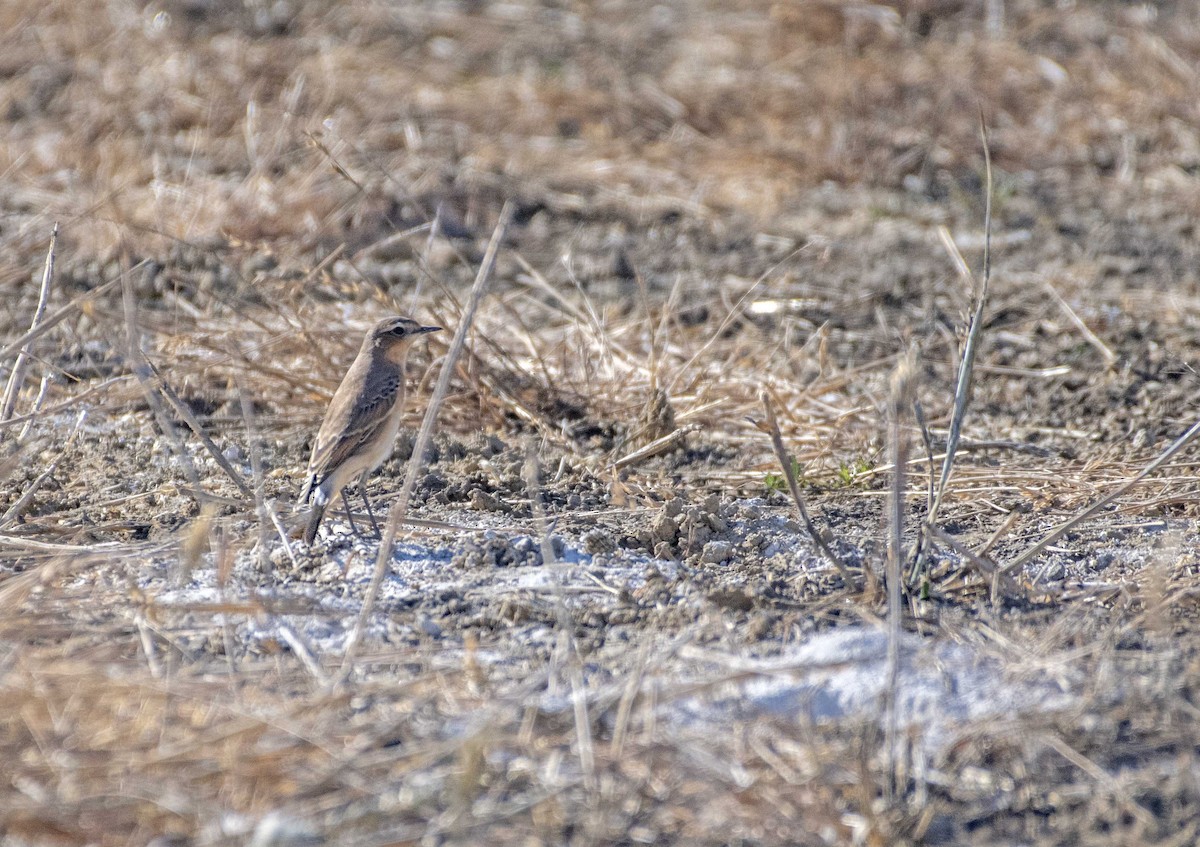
{"x":310,"y":485}
{"x":316,"y":495}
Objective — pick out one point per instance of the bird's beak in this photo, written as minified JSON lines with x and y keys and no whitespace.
{"x":426,"y":329}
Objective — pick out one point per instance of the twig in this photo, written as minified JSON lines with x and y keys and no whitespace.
{"x":197,"y":428}
{"x":282,"y":530}
{"x":15,"y":510}
{"x":36,"y":410}
{"x":736,"y":312}
{"x":1130,"y":804}
{"x":785,"y":462}
{"x":146,"y":638}
{"x":1065,"y":527}
{"x":1000,"y":530}
{"x":537,"y":508}
{"x":956,"y":256}
{"x":260,"y":504}
{"x":658,"y":445}
{"x":986,"y":567}
{"x":435,"y":229}
{"x":141,"y":369}
{"x":388,"y":242}
{"x":1090,"y":337}
{"x":583,"y":726}
{"x":566,"y":650}
{"x":927,"y":438}
{"x":58,"y":317}
{"x":103,"y":547}
{"x":901,"y":392}
{"x":632,"y":687}
{"x":301,"y":650}
{"x":980,"y":561}
{"x":962,"y":389}
{"x":329,"y":259}
{"x":400,"y":509}
{"x":17,"y":377}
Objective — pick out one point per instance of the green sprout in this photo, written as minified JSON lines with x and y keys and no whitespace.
{"x":848,"y":472}
{"x":778,"y":482}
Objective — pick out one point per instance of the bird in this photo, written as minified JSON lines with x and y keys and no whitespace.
{"x":361,"y":423}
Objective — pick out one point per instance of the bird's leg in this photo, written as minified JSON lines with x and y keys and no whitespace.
{"x":349,"y":517}
{"x":314,"y":522}
{"x":362,"y":489}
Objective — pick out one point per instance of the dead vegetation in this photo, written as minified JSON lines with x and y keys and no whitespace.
{"x":716,"y":206}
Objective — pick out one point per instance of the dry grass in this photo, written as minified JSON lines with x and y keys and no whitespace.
{"x":715,"y":202}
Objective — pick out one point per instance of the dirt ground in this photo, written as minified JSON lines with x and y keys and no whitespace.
{"x":604,"y":621}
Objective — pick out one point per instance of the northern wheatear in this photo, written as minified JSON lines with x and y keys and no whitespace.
{"x":362,"y":421}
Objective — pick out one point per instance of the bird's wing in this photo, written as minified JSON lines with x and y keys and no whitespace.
{"x":351,"y":422}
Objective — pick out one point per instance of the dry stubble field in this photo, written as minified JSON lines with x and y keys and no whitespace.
{"x":583,"y":641}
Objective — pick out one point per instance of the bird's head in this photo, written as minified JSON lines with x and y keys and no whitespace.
{"x":392,"y":336}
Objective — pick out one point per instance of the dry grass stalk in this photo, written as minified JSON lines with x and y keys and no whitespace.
{"x":197,"y":429}
{"x":35,"y":411}
{"x":1066,"y":526}
{"x":985,"y":567}
{"x":1103,"y":349}
{"x":65,"y":312}
{"x":302,"y":650}
{"x":16,"y":378}
{"x":537,"y":507}
{"x":15,"y":510}
{"x":566,"y":651}
{"x":656,"y":447}
{"x":87,"y":394}
{"x":962,"y":389}
{"x":265,"y":511}
{"x":927,"y":441}
{"x":196,"y":542}
{"x":898,"y":402}
{"x":399,"y":509}
{"x":785,"y":462}
{"x":389,"y":242}
{"x":143,"y":371}
{"x":734,"y":313}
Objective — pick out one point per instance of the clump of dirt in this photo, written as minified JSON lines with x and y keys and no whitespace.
{"x":486,"y":550}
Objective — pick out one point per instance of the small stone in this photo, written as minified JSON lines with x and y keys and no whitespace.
{"x":750,"y":512}
{"x":716,"y":552}
{"x":483,"y":502}
{"x":665,"y":528}
{"x":663,"y":550}
{"x":598,"y":541}
{"x":734,"y":599}
{"x":258,"y":263}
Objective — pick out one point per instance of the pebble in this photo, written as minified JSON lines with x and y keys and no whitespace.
{"x":716,"y":552}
